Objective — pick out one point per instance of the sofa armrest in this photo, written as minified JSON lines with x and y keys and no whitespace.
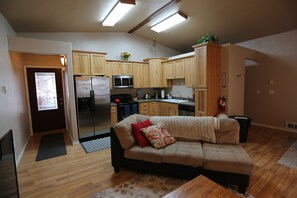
{"x":117,"y":152}
{"x":228,"y":132}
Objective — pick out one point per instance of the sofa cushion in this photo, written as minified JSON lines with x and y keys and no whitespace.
{"x":148,"y":154}
{"x":123,"y":130}
{"x":158,"y":135}
{"x":137,"y":133}
{"x":227,"y":158}
{"x":189,"y":127}
{"x":228,"y":132}
{"x":184,"y":153}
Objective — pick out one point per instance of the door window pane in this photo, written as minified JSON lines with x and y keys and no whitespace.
{"x":46,"y":91}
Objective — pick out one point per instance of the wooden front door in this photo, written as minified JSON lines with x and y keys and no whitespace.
{"x":45,"y":89}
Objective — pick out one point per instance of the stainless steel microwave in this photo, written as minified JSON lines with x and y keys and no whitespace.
{"x":122,"y":81}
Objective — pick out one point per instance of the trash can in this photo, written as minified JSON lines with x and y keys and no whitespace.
{"x":244,"y":123}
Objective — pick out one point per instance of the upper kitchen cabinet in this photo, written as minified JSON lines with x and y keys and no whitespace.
{"x":190,"y":72}
{"x":155,"y":72}
{"x":174,"y":69}
{"x":140,"y":74}
{"x":121,"y":68}
{"x":88,"y":63}
{"x":207,"y":62}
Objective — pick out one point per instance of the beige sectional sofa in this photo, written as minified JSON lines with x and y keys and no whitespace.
{"x":218,"y":154}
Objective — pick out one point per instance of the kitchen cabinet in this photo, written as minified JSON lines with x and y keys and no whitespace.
{"x":168,"y":109}
{"x":179,"y":68}
{"x":88,"y":63}
{"x":174,"y":69}
{"x":121,"y":68}
{"x":114,"y":115}
{"x":155,"y":72}
{"x":108,"y":72}
{"x":148,"y":108}
{"x":190,"y":74}
{"x":140,"y":73}
{"x":207,"y":93}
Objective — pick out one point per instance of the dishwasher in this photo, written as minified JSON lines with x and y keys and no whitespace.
{"x":186,"y":110}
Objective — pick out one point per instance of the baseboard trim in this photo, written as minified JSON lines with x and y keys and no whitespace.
{"x":273,"y":127}
{"x":18,"y":160}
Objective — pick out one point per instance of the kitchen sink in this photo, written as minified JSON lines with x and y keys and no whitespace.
{"x":175,"y":100}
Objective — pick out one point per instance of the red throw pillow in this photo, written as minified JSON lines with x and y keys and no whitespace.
{"x":138,"y":135}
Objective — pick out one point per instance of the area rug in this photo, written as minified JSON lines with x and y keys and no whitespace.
{"x":51,"y":146}
{"x":289,"y":158}
{"x":96,"y":145}
{"x":146,"y":186}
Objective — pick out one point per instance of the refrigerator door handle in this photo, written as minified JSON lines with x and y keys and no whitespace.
{"x":92,"y":97}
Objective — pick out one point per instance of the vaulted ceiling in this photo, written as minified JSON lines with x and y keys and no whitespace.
{"x":231,"y":20}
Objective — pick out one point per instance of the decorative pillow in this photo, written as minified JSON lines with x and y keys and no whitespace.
{"x":158,"y":135}
{"x":138,"y":135}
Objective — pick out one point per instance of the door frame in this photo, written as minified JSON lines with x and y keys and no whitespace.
{"x":28,"y":98}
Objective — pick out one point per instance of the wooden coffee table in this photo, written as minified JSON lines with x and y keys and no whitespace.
{"x":201,"y":186}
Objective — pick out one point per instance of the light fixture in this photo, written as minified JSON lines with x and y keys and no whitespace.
{"x":118,"y":11}
{"x":169,"y":22}
{"x":63,"y":60}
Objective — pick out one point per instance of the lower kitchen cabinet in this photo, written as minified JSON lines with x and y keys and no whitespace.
{"x":148,"y":108}
{"x":114,"y":115}
{"x":168,"y":109}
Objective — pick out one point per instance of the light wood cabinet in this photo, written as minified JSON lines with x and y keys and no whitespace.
{"x":168,"y":109}
{"x":148,"y":108}
{"x":207,"y":61}
{"x":114,"y":115}
{"x":144,"y":108}
{"x":98,"y":64}
{"x":121,"y":68}
{"x":81,"y":63}
{"x":140,"y":74}
{"x":179,"y":68}
{"x":89,"y":63}
{"x":190,"y":74}
{"x":108,"y":72}
{"x":155,"y":72}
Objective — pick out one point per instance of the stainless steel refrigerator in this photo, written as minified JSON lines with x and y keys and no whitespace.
{"x":93,"y":106}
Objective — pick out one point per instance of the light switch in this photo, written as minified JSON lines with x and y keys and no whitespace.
{"x":271,"y":91}
{"x":5,"y":89}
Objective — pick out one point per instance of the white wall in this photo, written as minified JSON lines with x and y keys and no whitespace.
{"x":277,"y":62}
{"x":112,"y":43}
{"x":13,"y":113}
{"x":38,"y":46}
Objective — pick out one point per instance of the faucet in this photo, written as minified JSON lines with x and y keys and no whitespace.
{"x":179,"y":95}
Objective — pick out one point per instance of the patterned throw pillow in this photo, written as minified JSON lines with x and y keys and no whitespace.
{"x":138,"y":135}
{"x":158,"y":135}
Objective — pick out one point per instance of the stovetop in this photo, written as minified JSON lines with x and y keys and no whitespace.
{"x":121,"y":99}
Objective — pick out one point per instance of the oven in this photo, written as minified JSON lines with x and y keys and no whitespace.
{"x":125,"y":105}
{"x":186,"y":110}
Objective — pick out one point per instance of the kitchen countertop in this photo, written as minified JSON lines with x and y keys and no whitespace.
{"x":174,"y":101}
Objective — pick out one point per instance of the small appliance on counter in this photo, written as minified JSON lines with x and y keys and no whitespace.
{"x":162,"y":94}
{"x":147,"y":96}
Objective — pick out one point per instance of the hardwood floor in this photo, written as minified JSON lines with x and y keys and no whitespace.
{"x":80,"y":175}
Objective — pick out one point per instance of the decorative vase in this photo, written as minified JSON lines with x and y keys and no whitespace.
{"x":125,"y":58}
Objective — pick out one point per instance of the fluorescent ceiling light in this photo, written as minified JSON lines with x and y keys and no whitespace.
{"x":121,"y":8}
{"x":169,"y":22}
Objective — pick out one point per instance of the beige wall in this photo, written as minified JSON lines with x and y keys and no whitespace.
{"x":233,"y":66}
{"x":277,"y":62}
{"x":13,"y":113}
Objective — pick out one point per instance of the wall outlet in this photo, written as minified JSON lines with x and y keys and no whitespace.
{"x":271,"y":91}
{"x":291,"y":126}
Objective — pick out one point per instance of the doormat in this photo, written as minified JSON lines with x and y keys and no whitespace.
{"x":96,"y":145}
{"x":289,"y":159}
{"x":51,"y":146}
